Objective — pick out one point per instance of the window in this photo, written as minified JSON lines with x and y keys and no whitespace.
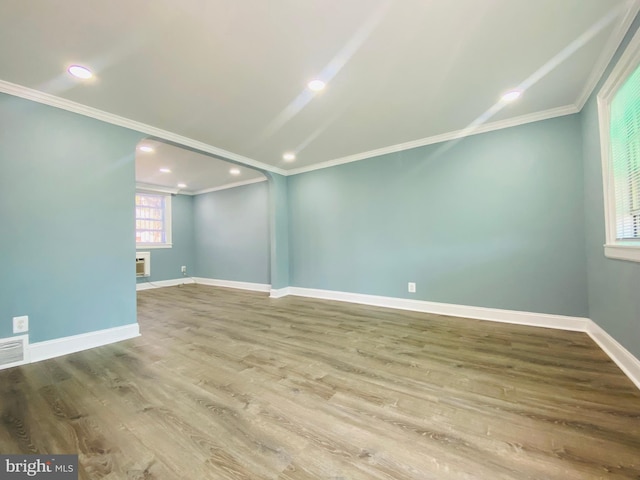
{"x":625,"y":156}
{"x":153,"y":220}
{"x":619,"y":110}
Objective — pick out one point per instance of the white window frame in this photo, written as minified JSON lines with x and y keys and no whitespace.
{"x":167,"y":221}
{"x":628,"y":63}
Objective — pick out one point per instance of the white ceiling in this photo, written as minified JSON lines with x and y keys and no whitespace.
{"x":230,"y":76}
{"x":199,"y":172}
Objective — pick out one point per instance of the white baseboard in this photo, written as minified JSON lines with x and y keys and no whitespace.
{"x":214,"y":282}
{"x":481,"y":313}
{"x":163,"y":283}
{"x":629,"y":364}
{"x":85,"y":341}
{"x":280,"y":292}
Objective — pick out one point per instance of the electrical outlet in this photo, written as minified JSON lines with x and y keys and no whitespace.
{"x":21,"y":324}
{"x":412,"y":287}
{"x":183,"y":269}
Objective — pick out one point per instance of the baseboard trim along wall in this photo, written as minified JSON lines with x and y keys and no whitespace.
{"x":255,"y":287}
{"x":481,"y":313}
{"x":629,"y":364}
{"x":85,"y":341}
{"x":280,"y":292}
{"x":163,"y":283}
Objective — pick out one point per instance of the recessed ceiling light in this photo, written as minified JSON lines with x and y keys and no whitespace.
{"x":289,"y":156}
{"x":234,"y":171}
{"x":79,"y":71}
{"x":182,"y":185}
{"x":316,"y":85}
{"x":165,"y":170}
{"x":511,"y":96}
{"x":145,"y":148}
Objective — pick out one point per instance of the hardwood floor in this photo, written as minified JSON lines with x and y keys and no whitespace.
{"x":228,"y":384}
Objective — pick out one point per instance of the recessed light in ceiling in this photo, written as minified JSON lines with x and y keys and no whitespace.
{"x":289,"y":156}
{"x":79,"y":71}
{"x":511,"y":96}
{"x":145,"y":148}
{"x":182,"y":185}
{"x":165,"y":170}
{"x":234,"y":171}
{"x":316,"y":85}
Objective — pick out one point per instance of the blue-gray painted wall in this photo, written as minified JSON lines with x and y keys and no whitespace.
{"x":493,"y":220}
{"x":166,"y":262}
{"x":614,"y":285}
{"x":279,"y":230}
{"x":498,"y":220}
{"x":67,"y":218}
{"x":232,"y":234}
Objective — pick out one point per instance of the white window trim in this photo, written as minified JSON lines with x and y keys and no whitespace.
{"x":147,"y":246}
{"x":167,"y":220}
{"x":628,"y":63}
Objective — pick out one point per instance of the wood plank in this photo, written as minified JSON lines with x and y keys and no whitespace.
{"x":231,"y":384}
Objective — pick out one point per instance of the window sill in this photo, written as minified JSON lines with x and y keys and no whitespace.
{"x":620,"y":251}
{"x":145,"y":247}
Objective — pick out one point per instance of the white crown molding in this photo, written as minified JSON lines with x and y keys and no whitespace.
{"x":64,"y":104}
{"x":613,"y":43}
{"x":626,"y":65}
{"x":148,"y":187}
{"x":227,"y":186}
{"x":445,"y":137}
{"x":76,"y":343}
{"x":174,"y":282}
{"x":629,"y":364}
{"x":52,"y":100}
{"x":214,"y":282}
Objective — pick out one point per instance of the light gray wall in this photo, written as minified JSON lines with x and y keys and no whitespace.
{"x":497,"y":220}
{"x":67,"y":241}
{"x":166,"y":262}
{"x":493,"y":220}
{"x":614,"y":285}
{"x":232,"y":234}
{"x":279,"y":230}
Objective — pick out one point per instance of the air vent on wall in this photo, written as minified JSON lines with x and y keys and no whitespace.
{"x":13,"y":351}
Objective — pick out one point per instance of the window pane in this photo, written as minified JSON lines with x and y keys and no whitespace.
{"x":150,"y":219}
{"x":625,"y":150}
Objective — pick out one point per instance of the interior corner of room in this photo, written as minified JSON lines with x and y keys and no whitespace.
{"x":507,"y":216}
{"x":509,"y":220}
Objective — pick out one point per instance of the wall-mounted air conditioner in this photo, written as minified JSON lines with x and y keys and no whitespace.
{"x":143,"y":264}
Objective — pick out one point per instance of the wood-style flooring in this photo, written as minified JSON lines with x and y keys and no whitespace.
{"x":229,"y":384}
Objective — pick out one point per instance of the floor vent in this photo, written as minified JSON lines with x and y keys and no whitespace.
{"x":13,"y":351}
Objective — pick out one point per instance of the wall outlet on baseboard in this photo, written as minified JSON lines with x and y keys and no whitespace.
{"x":21,"y":324}
{"x":183,"y":269}
{"x":412,"y":287}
